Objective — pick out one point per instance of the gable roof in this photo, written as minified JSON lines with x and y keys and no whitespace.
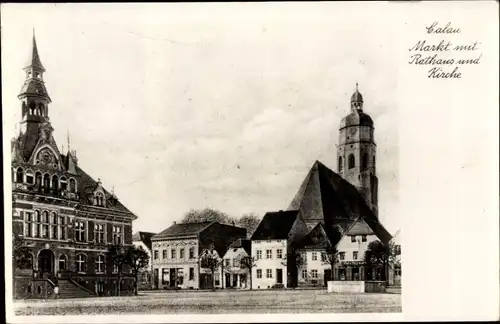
{"x":326,"y":197}
{"x":275,"y":225}
{"x":182,"y":230}
{"x":315,"y":239}
{"x":144,"y":237}
{"x":359,"y":228}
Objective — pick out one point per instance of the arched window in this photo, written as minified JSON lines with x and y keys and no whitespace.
{"x":45,"y":224}
{"x":19,"y":175}
{"x":29,"y":177}
{"x":341,"y":167}
{"x":32,"y":108}
{"x":63,"y":260}
{"x":99,"y":263}
{"x":99,"y":199}
{"x":55,"y":183}
{"x":351,"y":161}
{"x":81,"y":263}
{"x":374,"y":161}
{"x":54,"y":229}
{"x":63,"y":183}
{"x":364,"y":161}
{"x":38,"y":179}
{"x":40,"y":108}
{"x":72,"y":185}
{"x":46,"y":181}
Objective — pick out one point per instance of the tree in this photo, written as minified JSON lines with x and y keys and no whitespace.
{"x":21,"y":254}
{"x":137,"y":260}
{"x":119,"y":255}
{"x":210,"y":260}
{"x":378,"y":255}
{"x":249,"y":221}
{"x":207,"y":215}
{"x":294,"y":260}
{"x":248,"y":262}
{"x":331,"y":257}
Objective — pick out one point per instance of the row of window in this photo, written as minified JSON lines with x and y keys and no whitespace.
{"x":99,"y":264}
{"x":269,"y":273}
{"x":45,"y":181}
{"x":354,"y":238}
{"x":314,"y":274}
{"x":269,"y":254}
{"x":173,"y":254}
{"x":52,"y":226}
{"x":178,"y":275}
{"x":351,"y":162}
{"x":236,"y":263}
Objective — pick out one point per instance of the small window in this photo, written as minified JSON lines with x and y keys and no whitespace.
{"x":155,"y":254}
{"x":351,"y":161}
{"x":355,"y":255}
{"x":364,"y":161}
{"x":81,"y":263}
{"x":191,"y":253}
{"x":353,"y":238}
{"x":235,"y":263}
{"x":259,"y":254}
{"x":279,"y":253}
{"x":342,"y":255}
{"x":363,"y":238}
{"x":398,"y":249}
{"x":314,"y":256}
{"x":173,"y":253}
{"x":259,"y":273}
{"x":191,"y":273}
{"x":314,"y":274}
{"x":181,"y":254}
{"x":269,"y":254}
{"x":269,"y":273}
{"x":62,"y":262}
{"x":164,"y":254}
{"x":227,"y":262}
{"x":304,"y":274}
{"x":99,"y":263}
{"x":340,"y":164}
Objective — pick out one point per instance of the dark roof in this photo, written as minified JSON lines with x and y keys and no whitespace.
{"x":87,"y":185}
{"x":356,"y":118}
{"x":34,"y":87}
{"x":315,"y":239}
{"x":275,"y":225}
{"x":144,"y":237}
{"x":356,"y":96}
{"x":242,"y":243}
{"x":359,"y":228}
{"x":326,"y":197}
{"x":34,"y":59}
{"x":183,"y":229}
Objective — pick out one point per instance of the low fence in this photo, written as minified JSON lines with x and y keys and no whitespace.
{"x":357,"y":286}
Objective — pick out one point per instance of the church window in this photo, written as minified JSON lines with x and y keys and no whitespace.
{"x":279,"y":253}
{"x":259,"y":273}
{"x":363,"y":238}
{"x":79,"y":231}
{"x":259,"y":254}
{"x":81,"y":263}
{"x":29,"y":177}
{"x":304,"y":274}
{"x":38,"y":179}
{"x":19,"y":175}
{"x":55,"y":183}
{"x":314,"y":274}
{"x":62,"y":262}
{"x":63,"y":184}
{"x":99,"y":233}
{"x":364,"y":161}
{"x":72,"y":185}
{"x":46,"y":181}
{"x":269,"y":273}
{"x":117,"y":234}
{"x":314,"y":256}
{"x":28,"y":224}
{"x":99,"y":263}
{"x":340,"y":164}
{"x":269,"y":254}
{"x":351,"y":161}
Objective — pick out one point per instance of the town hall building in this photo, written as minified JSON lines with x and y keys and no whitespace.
{"x":64,"y":217}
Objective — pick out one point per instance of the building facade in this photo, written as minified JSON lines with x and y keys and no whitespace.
{"x":178,"y":249}
{"x":236,"y":276}
{"x":64,"y":217}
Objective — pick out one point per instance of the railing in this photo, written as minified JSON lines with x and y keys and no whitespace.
{"x":58,"y":193}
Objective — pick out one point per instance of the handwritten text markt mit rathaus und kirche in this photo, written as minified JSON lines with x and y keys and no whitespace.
{"x":440,"y":63}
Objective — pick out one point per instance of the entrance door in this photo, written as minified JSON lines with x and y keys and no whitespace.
{"x":173,"y":278}
{"x":228,"y":280}
{"x":235,"y":280}
{"x":279,"y":276}
{"x":155,"y":278}
{"x":46,"y":263}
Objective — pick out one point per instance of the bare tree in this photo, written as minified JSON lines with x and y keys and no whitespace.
{"x":249,"y":221}
{"x":119,"y":255}
{"x":210,"y":260}
{"x":248,"y":262}
{"x":379,"y":255}
{"x":207,"y":215}
{"x":330,"y":257}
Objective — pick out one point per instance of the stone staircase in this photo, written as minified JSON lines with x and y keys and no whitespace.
{"x":68,"y":289}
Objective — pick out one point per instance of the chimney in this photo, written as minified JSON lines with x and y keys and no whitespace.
{"x":175,"y":222}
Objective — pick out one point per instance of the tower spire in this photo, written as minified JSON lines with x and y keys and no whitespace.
{"x":34,"y":61}
{"x":67,"y":135}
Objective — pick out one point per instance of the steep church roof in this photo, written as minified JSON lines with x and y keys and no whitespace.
{"x":34,"y":59}
{"x":275,"y":225}
{"x":326,"y":197}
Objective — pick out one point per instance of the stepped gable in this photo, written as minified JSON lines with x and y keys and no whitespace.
{"x":326,"y":197}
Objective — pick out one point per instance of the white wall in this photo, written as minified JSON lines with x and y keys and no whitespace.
{"x":311,"y":265}
{"x":265,"y":263}
{"x":348,"y":247}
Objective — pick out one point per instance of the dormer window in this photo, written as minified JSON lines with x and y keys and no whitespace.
{"x":99,"y":198}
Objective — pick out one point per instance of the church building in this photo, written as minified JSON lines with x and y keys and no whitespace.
{"x":330,"y":207}
{"x":61,"y":216}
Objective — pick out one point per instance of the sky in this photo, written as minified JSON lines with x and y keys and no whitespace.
{"x":227,"y":106}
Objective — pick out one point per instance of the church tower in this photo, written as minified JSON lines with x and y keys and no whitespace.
{"x":356,"y":151}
